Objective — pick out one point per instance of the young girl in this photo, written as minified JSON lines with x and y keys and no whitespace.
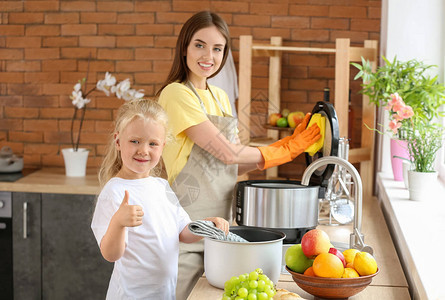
{"x":206,"y":154}
{"x":138,"y":222}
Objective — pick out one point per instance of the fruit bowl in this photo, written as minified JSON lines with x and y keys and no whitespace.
{"x":331,"y":288}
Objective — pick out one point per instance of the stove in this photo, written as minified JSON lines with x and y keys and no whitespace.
{"x":11,"y":177}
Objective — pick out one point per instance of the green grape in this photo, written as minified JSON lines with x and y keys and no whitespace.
{"x":239,"y":298}
{"x":253,"y":275}
{"x":243,"y":292}
{"x":270,"y":293}
{"x":253,"y":291}
{"x":225,"y":297}
{"x":253,"y":284}
{"x":262,"y":296}
{"x":263,"y":277}
{"x":251,"y":297}
{"x":259,"y":271}
{"x":261,"y":285}
{"x":242,"y":277}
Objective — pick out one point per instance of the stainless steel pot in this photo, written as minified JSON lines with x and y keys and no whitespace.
{"x":223,"y":259}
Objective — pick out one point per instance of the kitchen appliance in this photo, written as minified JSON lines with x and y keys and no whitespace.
{"x":286,"y":205}
{"x":224,"y":259}
{"x":9,"y":162}
{"x":6,"y":282}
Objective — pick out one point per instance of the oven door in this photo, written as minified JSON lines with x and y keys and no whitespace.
{"x":6,"y":284}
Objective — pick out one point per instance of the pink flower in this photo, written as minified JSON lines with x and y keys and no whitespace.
{"x":394,"y":125}
{"x":406,"y":112}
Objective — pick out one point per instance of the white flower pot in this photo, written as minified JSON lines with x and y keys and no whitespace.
{"x":406,"y":165}
{"x":422,"y":185}
{"x":75,"y":161}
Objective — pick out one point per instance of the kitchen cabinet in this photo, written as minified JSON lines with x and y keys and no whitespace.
{"x":59,"y":258}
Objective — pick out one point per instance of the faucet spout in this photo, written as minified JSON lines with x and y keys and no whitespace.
{"x":356,"y":238}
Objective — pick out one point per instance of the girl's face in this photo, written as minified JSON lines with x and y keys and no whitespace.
{"x":140,"y":144}
{"x":204,"y":55}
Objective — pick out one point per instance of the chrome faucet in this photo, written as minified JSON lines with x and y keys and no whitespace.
{"x":356,"y":239}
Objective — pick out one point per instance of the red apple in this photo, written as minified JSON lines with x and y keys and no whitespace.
{"x":314,"y":242}
{"x":339,"y":255}
{"x":295,"y":118}
{"x":273,"y":118}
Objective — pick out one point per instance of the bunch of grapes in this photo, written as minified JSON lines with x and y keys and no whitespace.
{"x":249,"y":286}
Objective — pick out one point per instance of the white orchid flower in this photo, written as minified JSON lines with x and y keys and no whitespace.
{"x":77,"y":87}
{"x":121,"y":88}
{"x":132,"y":94}
{"x":106,"y":84}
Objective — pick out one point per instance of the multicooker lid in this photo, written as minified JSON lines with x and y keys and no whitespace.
{"x":330,"y":145}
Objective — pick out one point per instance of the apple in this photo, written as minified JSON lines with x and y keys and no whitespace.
{"x":296,"y":260}
{"x":285,"y":112}
{"x":273,"y":118}
{"x":339,"y":255}
{"x":314,"y":242}
{"x":295,"y":118}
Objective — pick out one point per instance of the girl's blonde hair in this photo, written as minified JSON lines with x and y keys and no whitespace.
{"x":145,"y":109}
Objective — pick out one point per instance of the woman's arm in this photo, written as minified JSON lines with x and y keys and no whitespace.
{"x":209,"y":138}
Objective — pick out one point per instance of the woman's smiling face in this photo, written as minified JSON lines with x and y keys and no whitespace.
{"x":204,"y":55}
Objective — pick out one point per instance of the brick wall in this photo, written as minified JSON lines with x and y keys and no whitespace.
{"x":45,"y":46}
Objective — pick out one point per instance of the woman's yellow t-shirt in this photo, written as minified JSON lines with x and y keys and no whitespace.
{"x":184,"y":110}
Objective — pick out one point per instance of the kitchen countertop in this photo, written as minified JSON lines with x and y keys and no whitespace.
{"x":390,"y":283}
{"x":54,"y":180}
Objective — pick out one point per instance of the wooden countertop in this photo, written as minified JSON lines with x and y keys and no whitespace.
{"x":53,"y":180}
{"x":390,"y":283}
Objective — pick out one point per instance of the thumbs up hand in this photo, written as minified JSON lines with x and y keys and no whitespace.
{"x":129,"y":215}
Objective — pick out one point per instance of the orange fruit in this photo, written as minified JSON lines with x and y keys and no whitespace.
{"x":350,"y":265}
{"x":328,"y":265}
{"x":350,"y":254}
{"x":364,"y":264}
{"x":309,"y":272}
{"x":350,"y":273}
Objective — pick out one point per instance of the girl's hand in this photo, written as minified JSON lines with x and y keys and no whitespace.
{"x":220,"y":223}
{"x":128,"y":215}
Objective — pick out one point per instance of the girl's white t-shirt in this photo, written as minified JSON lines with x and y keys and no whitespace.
{"x":149,"y":266}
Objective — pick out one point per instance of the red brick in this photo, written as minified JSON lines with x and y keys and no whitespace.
{"x":172,"y":17}
{"x":25,"y":18}
{"x":15,"y":54}
{"x":77,"y":6}
{"x":11,"y":77}
{"x":317,"y":72}
{"x":12,"y":29}
{"x":289,"y":71}
{"x":229,"y":7}
{"x":161,"y":66}
{"x":41,"y":101}
{"x":265,"y":33}
{"x":25,"y":89}
{"x":62,"y":18}
{"x":309,"y":60}
{"x":116,"y":29}
{"x":74,"y":77}
{"x":43,"y":30}
{"x":56,"y":113}
{"x":21,"y":113}
{"x":65,"y":126}
{"x":310,"y":35}
{"x":108,"y":103}
{"x":290,"y":22}
{"x":309,"y":10}
{"x":191,"y":6}
{"x":347,"y":12}
{"x":153,"y":54}
{"x":374,"y":12}
{"x":143,"y":78}
{"x":106,"y":126}
{"x":60,"y":42}
{"x":273,"y":9}
{"x":97,"y":66}
{"x":117,"y":54}
{"x":9,"y":124}
{"x":23,"y":42}
{"x":254,"y":21}
{"x":79,"y":52}
{"x":155,"y":29}
{"x":59,"y":65}
{"x":41,"y":6}
{"x":355,"y":36}
{"x":53,"y":160}
{"x":153,"y":6}
{"x":41,"y":148}
{"x":98,"y":17}
{"x":135,"y":18}
{"x":165,"y":41}
{"x":23,"y":65}
{"x":365,"y":25}
{"x":135,"y":41}
{"x":79,"y":29}
{"x":329,"y":23}
{"x":307,"y":84}
{"x":119,"y":6}
{"x":42,"y":53}
{"x":97,"y":41}
{"x":30,"y":137}
{"x":13,"y":100}
{"x":56,"y":89}
{"x":56,"y":137}
{"x":94,"y":138}
{"x":9,"y":6}
{"x":34,"y":77}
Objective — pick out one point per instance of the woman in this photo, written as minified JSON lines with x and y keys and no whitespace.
{"x":203,"y":164}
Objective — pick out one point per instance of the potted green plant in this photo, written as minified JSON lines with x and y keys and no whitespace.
{"x":410,"y":80}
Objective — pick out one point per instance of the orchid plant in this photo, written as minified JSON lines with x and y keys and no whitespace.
{"x":108,"y":85}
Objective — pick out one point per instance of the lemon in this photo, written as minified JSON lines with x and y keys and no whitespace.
{"x":350,"y":273}
{"x":350,"y":254}
{"x":365,"y":264}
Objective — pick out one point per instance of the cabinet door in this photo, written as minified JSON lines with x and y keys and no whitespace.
{"x":72,"y":266}
{"x":26,"y":235}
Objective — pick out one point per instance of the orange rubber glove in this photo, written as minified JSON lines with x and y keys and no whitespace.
{"x":302,"y":126}
{"x":287,"y":151}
